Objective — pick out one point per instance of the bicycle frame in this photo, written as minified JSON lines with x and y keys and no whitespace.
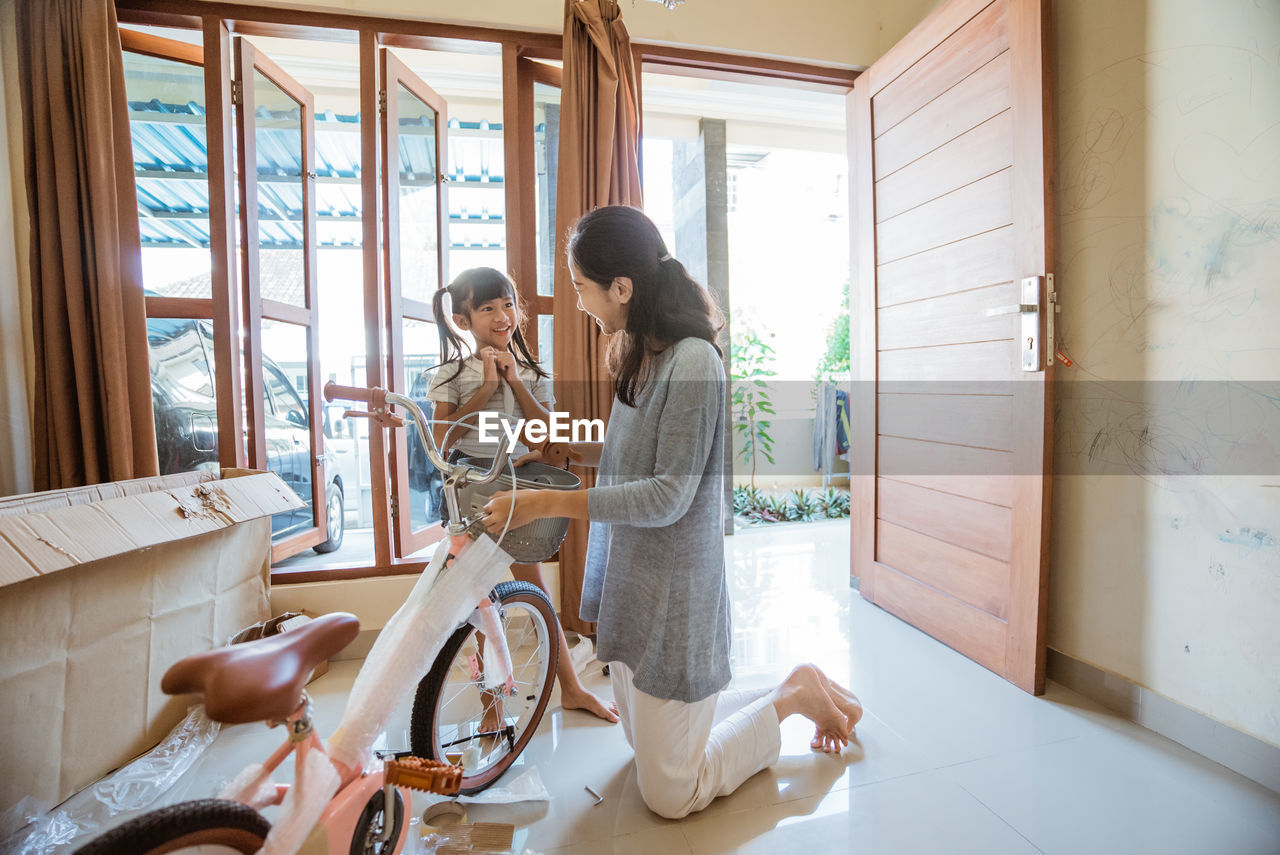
{"x":356,"y":785}
{"x":336,"y":825}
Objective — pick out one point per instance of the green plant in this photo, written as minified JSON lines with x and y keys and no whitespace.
{"x":752,"y":361}
{"x":834,"y":503}
{"x":799,"y":505}
{"x":746,"y":498}
{"x":804,"y":505}
{"x":776,"y":508}
{"x":834,"y":364}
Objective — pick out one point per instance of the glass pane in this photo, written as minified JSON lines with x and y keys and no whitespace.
{"x":546,"y":342}
{"x":785,"y":183}
{"x":419,"y":208}
{"x":546,"y":146}
{"x":277,"y":133}
{"x":339,"y":276}
{"x":421,"y":352}
{"x":477,"y":197}
{"x":183,"y":394}
{"x":285,"y":386}
{"x":166,"y":123}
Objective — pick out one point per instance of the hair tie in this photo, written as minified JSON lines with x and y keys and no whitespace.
{"x":664,"y":257}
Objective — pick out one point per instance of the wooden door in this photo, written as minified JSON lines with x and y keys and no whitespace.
{"x":952,"y":354}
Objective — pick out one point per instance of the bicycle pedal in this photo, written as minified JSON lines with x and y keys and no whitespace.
{"x":419,"y":773}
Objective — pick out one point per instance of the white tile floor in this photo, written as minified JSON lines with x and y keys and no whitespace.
{"x":949,"y":758}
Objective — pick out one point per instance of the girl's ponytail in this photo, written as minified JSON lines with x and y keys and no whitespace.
{"x":470,"y":288}
{"x":451,"y":344}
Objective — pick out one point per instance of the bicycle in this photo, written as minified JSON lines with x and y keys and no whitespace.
{"x":340,"y":802}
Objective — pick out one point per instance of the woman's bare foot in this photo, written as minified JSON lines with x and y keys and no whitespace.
{"x":581,"y":699}
{"x":846,"y":701}
{"x":804,"y":692}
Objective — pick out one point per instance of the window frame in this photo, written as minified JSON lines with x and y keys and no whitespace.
{"x":218,"y":20}
{"x":395,"y":72}
{"x":249,"y":61}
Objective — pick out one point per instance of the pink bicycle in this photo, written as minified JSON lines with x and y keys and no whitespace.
{"x":488,"y":680}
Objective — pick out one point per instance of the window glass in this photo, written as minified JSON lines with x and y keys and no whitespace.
{"x":289,"y":445}
{"x":183,"y":394}
{"x":546,"y":130}
{"x":546,"y":342}
{"x":277,"y":130}
{"x":170,"y":163}
{"x":419,"y":208}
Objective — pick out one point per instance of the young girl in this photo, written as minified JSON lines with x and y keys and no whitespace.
{"x":501,"y":376}
{"x":655,"y":579}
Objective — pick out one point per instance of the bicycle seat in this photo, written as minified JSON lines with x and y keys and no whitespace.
{"x":260,"y":680}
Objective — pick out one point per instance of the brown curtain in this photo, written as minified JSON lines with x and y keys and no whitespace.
{"x":92,"y":408}
{"x":598,"y":165}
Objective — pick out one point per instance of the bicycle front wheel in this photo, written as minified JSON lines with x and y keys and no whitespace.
{"x":455,"y":715}
{"x":205,"y":826}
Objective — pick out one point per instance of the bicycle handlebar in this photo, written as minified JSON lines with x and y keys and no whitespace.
{"x":378,"y":400}
{"x":334,"y":392}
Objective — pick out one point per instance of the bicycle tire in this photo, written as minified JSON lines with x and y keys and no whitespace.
{"x":370,"y":822}
{"x":429,"y":717}
{"x":204,"y":822}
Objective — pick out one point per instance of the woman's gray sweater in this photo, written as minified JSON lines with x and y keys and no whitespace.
{"x":655,"y":579}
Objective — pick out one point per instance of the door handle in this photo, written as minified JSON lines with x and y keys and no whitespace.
{"x":1028,"y":341}
{"x":1011,"y":310}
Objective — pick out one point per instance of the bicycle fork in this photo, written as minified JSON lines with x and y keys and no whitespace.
{"x":498,"y":670}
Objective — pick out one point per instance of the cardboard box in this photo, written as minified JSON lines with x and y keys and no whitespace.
{"x":102,"y":588}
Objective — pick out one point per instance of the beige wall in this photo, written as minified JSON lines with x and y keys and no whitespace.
{"x":1169,"y":227}
{"x":837,"y":32}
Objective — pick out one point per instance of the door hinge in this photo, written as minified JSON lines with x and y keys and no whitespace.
{"x":237,"y":93}
{"x":395,"y":507}
{"x":382,"y":101}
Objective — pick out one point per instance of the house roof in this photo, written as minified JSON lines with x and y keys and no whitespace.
{"x":171,"y":166}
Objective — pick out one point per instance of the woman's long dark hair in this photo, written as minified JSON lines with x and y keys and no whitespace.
{"x":666,"y":303}
{"x":469,"y":289}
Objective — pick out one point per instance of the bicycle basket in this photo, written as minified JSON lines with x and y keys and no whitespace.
{"x":532,"y":542}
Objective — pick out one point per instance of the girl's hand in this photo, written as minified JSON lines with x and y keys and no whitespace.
{"x":497,"y":508}
{"x":489,"y":357}
{"x":506,"y":362}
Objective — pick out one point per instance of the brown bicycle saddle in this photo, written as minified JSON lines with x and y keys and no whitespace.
{"x":260,"y":680}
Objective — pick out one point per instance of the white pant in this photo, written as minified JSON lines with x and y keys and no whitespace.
{"x":687,"y":754}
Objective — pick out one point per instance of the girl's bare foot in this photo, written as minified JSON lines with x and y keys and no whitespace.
{"x":846,"y":701}
{"x":804,"y":692}
{"x":491,"y":719}
{"x":581,"y":699}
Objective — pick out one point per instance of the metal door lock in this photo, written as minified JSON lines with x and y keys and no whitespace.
{"x":1029,"y":309}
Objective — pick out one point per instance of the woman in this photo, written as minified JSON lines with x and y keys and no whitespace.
{"x":655,"y":580}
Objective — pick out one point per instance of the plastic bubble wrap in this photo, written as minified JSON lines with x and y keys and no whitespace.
{"x":441,"y":600}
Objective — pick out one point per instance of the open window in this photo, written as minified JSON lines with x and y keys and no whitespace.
{"x":415,"y":239}
{"x":275,"y":136}
{"x":165,"y":90}
{"x":537,"y":138}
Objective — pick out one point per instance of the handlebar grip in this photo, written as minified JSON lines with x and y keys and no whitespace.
{"x":334,"y":392}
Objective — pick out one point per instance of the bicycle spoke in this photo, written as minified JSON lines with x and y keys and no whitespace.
{"x":494,"y":724}
{"x":444,"y":704}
